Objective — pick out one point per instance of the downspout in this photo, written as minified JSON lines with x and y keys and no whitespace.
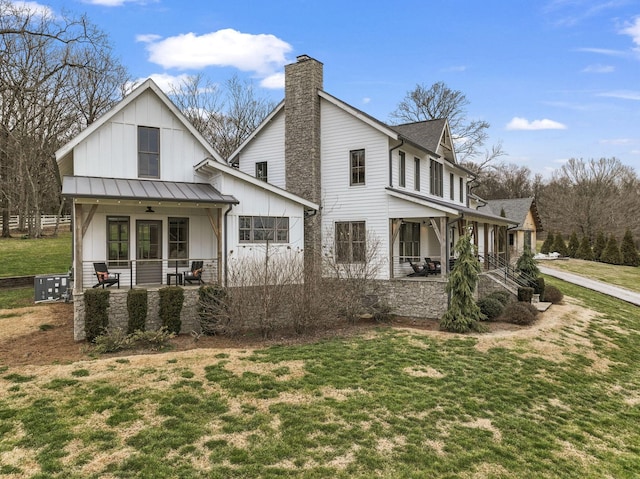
{"x":391,"y":162}
{"x":226,"y":276}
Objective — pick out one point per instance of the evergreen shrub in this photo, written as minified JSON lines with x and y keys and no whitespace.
{"x":96,"y":317}
{"x":502,"y":296}
{"x":525,"y":294}
{"x":171,"y":299}
{"x":490,"y":307}
{"x":628,"y":251}
{"x":547,"y":244}
{"x":611,"y":253}
{"x":538,"y":287}
{"x":553,"y":295}
{"x":518,"y":313}
{"x":584,"y":250}
{"x":137,"y":310}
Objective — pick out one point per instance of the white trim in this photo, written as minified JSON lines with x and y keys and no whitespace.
{"x":424,"y":202}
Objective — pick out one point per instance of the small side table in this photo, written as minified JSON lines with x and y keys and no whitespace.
{"x":178,"y":277}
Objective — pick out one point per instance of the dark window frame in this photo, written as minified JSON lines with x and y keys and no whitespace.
{"x":416,"y":173}
{"x":436,"y":175}
{"x":118,"y":257}
{"x":357,"y":171}
{"x":263,"y":229}
{"x":402,"y":169}
{"x":148,"y":154}
{"x":409,"y":242}
{"x":350,"y":242}
{"x":452,"y":187}
{"x":461,"y":183}
{"x":178,"y":246}
{"x":261,"y":170}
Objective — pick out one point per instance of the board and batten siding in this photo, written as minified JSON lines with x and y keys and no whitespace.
{"x":114,"y":147}
{"x":268,"y":145}
{"x":341,"y":133}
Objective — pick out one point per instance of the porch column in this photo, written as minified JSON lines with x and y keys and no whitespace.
{"x":77,"y":253}
{"x":486,"y":245}
{"x":444,"y":259}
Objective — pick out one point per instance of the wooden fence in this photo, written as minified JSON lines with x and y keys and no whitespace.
{"x":46,"y":221}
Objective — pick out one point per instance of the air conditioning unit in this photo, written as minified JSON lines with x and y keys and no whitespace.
{"x":52,"y":287}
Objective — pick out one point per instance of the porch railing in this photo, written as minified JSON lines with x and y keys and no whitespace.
{"x":139,"y":272}
{"x":507,"y":272}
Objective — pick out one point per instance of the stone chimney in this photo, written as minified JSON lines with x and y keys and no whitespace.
{"x":303,"y":80}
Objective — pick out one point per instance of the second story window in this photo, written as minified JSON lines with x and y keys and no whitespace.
{"x":261,"y":170}
{"x":148,"y":152}
{"x":461,"y":190}
{"x":452,"y":194}
{"x":402,"y":170}
{"x":436,"y":178}
{"x":356,"y":167}
{"x":416,"y":174}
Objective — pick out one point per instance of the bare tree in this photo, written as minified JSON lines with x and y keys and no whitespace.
{"x":225,"y":115}
{"x":504,"y":181}
{"x":41,"y":57}
{"x":439,"y":101}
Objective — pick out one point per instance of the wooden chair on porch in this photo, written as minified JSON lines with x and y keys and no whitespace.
{"x":105,"y":279}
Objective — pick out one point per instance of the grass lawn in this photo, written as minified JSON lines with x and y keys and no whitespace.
{"x":391,"y":404}
{"x":24,"y":257}
{"x":624,"y":276}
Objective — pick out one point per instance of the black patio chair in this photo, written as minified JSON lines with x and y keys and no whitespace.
{"x":418,"y":269}
{"x":432,"y":266}
{"x":194,"y":274}
{"x":105,"y":279}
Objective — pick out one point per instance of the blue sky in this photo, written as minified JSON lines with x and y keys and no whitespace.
{"x":554,"y":78}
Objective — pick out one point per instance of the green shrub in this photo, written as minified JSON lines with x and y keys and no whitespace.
{"x":611,"y":253}
{"x":628,"y":251}
{"x":518,"y":313}
{"x":503,"y":296}
{"x":154,"y":340}
{"x":538,"y":287}
{"x":559,"y":246}
{"x":599,"y":246}
{"x":112,"y":340}
{"x":548,"y":244}
{"x":137,"y":309}
{"x":171,"y":299}
{"x":212,"y":308}
{"x":525,"y":294}
{"x":96,"y":317}
{"x":553,"y":295}
{"x":584,"y":250}
{"x":490,"y":307}
{"x":573,"y":245}
{"x":532,"y":309}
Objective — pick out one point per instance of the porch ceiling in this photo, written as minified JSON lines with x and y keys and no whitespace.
{"x":87,"y":189}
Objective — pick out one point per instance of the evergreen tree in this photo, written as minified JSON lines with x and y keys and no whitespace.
{"x":573,"y":245}
{"x":628,"y":251}
{"x":584,"y":250}
{"x":599,"y":246}
{"x":548,"y":244}
{"x":611,"y":253}
{"x":528,"y":268}
{"x":463,"y":314}
{"x":559,"y":246}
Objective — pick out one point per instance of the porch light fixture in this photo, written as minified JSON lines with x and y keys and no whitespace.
{"x":149,"y":210}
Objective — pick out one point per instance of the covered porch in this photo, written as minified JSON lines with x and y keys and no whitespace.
{"x":147,"y":232}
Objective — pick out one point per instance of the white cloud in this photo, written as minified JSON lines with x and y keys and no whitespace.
{"x":622,"y":94}
{"x":598,"y":69}
{"x":604,"y":51}
{"x":617,"y":141}
{"x":366,"y":100}
{"x":273,"y":82}
{"x":263,"y":54}
{"x":518,"y":123}
{"x":34,"y":8}
{"x":454,"y":68}
{"x":147,"y":37}
{"x":115,"y":3}
{"x":633,"y":30}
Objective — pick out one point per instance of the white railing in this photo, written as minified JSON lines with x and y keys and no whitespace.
{"x":45,"y":221}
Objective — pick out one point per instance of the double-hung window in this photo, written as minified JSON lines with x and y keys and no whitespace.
{"x":409,"y":242}
{"x":264,"y":229}
{"x":118,"y":241}
{"x":261,"y":170}
{"x":416,"y":174}
{"x":452,"y":185}
{"x":402,"y":169}
{"x":436,"y":172}
{"x":148,"y":152}
{"x":178,"y":241}
{"x":356,"y":167}
{"x":351,"y":241}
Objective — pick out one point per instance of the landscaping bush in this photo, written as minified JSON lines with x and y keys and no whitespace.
{"x":611,"y":253}
{"x":532,"y":309}
{"x":490,"y":307}
{"x":137,"y":309}
{"x":599,"y":246}
{"x":154,"y":340}
{"x":559,"y":246}
{"x":525,"y":294}
{"x":584,"y":250}
{"x":96,"y":302}
{"x":502,"y":296}
{"x":212,"y":308}
{"x":553,"y":295}
{"x":628,"y":251}
{"x":548,"y":244}
{"x":112,"y":340}
{"x":171,"y":299}
{"x":518,"y":313}
{"x":573,"y":245}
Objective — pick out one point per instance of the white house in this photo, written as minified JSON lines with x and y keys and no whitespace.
{"x":401,"y":185}
{"x":150,"y":195}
